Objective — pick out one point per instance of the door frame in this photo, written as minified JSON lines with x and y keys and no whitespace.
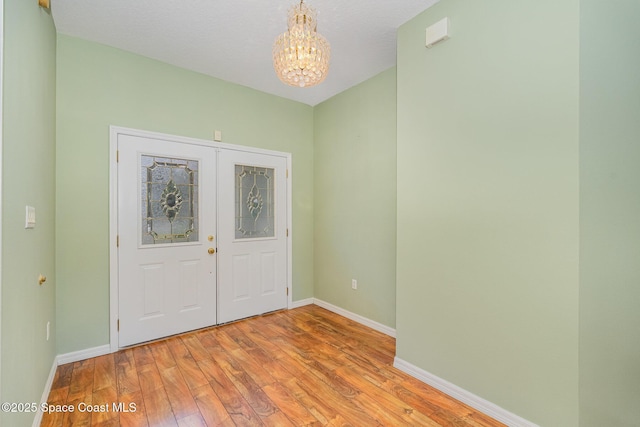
{"x":1,"y":160}
{"x":114,"y":132}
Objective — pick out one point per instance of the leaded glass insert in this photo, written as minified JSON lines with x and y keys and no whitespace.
{"x":169,"y":196}
{"x":254,"y":202}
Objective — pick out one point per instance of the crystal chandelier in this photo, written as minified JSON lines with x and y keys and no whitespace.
{"x":301,"y":55}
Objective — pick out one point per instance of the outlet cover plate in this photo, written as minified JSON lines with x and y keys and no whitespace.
{"x":30,"y":217}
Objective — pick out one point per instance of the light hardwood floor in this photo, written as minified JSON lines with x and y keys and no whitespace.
{"x":298,"y":367}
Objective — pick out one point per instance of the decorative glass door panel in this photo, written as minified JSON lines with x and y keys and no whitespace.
{"x":254,"y":202}
{"x":169,"y":193}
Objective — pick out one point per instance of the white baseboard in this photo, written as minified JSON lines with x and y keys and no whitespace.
{"x":356,"y":318}
{"x":301,"y":303}
{"x":45,"y":394}
{"x":88,"y":353}
{"x":464,"y":396}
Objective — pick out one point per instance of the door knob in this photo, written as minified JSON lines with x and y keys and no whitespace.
{"x":211,"y":251}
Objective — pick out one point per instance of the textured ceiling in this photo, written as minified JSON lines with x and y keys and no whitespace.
{"x":232,"y":40}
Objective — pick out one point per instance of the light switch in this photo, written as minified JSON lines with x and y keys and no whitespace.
{"x":30,"y":221}
{"x":217,"y":136}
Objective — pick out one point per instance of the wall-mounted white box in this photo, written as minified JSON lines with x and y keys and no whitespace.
{"x":437,"y":32}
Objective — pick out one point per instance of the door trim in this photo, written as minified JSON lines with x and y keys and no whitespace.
{"x":114,"y":132}
{"x":1,"y":159}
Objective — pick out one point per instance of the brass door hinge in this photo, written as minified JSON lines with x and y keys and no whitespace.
{"x":287,"y":232}
{"x":118,"y":325}
{"x":117,"y":241}
{"x":117,"y":156}
{"x":287,"y":173}
{"x":287,"y":291}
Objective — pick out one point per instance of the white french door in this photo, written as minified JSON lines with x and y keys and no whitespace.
{"x":166,"y":224}
{"x":201,"y":231}
{"x":252,"y":234}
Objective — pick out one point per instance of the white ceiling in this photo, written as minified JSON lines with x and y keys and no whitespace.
{"x":232,"y":40}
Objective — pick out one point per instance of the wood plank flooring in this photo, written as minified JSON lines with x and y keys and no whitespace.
{"x":301,"y":367}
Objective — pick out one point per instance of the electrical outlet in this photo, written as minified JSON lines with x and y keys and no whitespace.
{"x":30,"y":220}
{"x":354,"y":284}
{"x":48,"y":330}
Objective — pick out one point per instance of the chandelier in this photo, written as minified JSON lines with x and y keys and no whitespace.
{"x":301,"y":55}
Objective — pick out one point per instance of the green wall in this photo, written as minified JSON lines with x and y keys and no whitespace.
{"x":100,"y":86}
{"x":515,"y":273}
{"x":28,"y":174}
{"x":487,"y":244}
{"x":355,"y":198}
{"x":609,"y":213}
